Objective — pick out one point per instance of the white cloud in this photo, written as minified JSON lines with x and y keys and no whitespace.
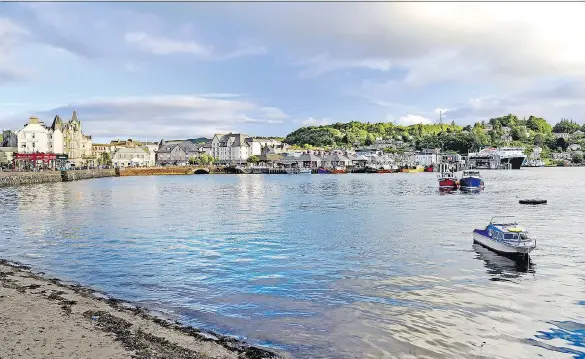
{"x":322,"y":64}
{"x":413,"y":120}
{"x":315,"y":122}
{"x":160,"y":45}
{"x":563,"y":99}
{"x":176,"y":116}
{"x":11,"y":36}
{"x":273,"y":113}
{"x":165,"y":46}
{"x":437,"y":41}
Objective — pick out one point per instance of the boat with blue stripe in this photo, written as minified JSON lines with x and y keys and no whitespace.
{"x":471,"y":181}
{"x":504,"y":236}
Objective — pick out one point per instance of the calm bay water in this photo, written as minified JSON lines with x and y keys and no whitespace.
{"x":322,"y":266}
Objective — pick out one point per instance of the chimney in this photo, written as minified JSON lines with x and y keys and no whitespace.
{"x":33,"y":120}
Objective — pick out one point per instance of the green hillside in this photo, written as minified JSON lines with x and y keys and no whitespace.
{"x":505,"y":130}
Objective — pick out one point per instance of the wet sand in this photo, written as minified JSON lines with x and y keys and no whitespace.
{"x":45,"y":318}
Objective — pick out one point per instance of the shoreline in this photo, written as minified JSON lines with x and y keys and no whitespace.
{"x":11,"y":179}
{"x":46,"y":317}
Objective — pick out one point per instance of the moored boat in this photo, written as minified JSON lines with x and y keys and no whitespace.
{"x":503,"y":235}
{"x":448,"y":181}
{"x":305,"y":171}
{"x":338,"y":170}
{"x":323,"y":171}
{"x":413,"y":169}
{"x":471,"y":180}
{"x":384,"y":169}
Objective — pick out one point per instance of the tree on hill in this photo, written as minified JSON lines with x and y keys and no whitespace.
{"x":566,"y":126}
{"x":505,"y":121}
{"x":450,"y":136}
{"x":577,"y":158}
{"x":518,"y":133}
{"x":369,"y":140}
{"x":538,"y":125}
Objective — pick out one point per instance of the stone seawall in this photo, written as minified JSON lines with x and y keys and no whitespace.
{"x":18,"y":178}
{"x":87,"y":174}
{"x":159,"y":171}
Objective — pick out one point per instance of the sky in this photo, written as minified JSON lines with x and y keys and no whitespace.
{"x":185,"y":70}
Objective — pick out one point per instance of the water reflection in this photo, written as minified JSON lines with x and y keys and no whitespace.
{"x":501,"y":267}
{"x":352,"y":266}
{"x":571,"y":333}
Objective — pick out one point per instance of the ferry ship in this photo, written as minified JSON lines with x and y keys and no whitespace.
{"x":497,"y":158}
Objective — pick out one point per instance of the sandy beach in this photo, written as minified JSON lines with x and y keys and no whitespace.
{"x":44,"y":318}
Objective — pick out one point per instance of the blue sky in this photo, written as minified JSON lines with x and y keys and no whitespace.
{"x":177,"y":70}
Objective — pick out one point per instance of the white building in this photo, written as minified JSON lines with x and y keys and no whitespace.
{"x":131,"y":157}
{"x":36,"y":137}
{"x":238,"y":147}
{"x":233,"y":147}
{"x":150,"y":148}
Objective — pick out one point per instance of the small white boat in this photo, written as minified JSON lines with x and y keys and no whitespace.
{"x":503,"y":235}
{"x":305,"y":171}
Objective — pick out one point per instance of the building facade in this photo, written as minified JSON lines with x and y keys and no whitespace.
{"x":130,"y":157}
{"x":35,"y":137}
{"x":77,"y":145}
{"x":175,"y":153}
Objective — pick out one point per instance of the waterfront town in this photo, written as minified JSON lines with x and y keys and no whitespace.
{"x":63,"y":145}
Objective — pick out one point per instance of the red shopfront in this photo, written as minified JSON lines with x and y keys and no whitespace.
{"x":35,"y":160}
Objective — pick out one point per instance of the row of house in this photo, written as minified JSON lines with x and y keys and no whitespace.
{"x":226,"y":149}
{"x":359,"y":158}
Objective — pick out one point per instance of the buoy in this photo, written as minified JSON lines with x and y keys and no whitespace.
{"x":533,"y":201}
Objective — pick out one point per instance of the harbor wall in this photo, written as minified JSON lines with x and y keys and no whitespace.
{"x":161,"y":171}
{"x":86,"y":174}
{"x":19,"y":178}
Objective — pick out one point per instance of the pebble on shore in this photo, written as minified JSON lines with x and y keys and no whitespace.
{"x":45,"y":318}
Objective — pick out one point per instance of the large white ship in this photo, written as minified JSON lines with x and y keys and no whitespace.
{"x":497,"y":158}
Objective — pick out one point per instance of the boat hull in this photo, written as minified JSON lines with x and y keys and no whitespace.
{"x":481,"y":237}
{"x":323,"y":171}
{"x":383,"y":171}
{"x":337,"y":172}
{"x":471,"y":184}
{"x":412,"y":170}
{"x":448,"y":184}
{"x":516,"y":162}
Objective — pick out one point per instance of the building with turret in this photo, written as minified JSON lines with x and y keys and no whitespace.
{"x":77,"y":145}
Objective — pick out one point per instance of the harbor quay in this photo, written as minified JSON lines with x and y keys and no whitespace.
{"x":14,"y":178}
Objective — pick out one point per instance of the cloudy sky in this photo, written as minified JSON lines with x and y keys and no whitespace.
{"x":181,"y":70}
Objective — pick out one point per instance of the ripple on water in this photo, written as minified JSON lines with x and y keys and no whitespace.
{"x":357,"y":266}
